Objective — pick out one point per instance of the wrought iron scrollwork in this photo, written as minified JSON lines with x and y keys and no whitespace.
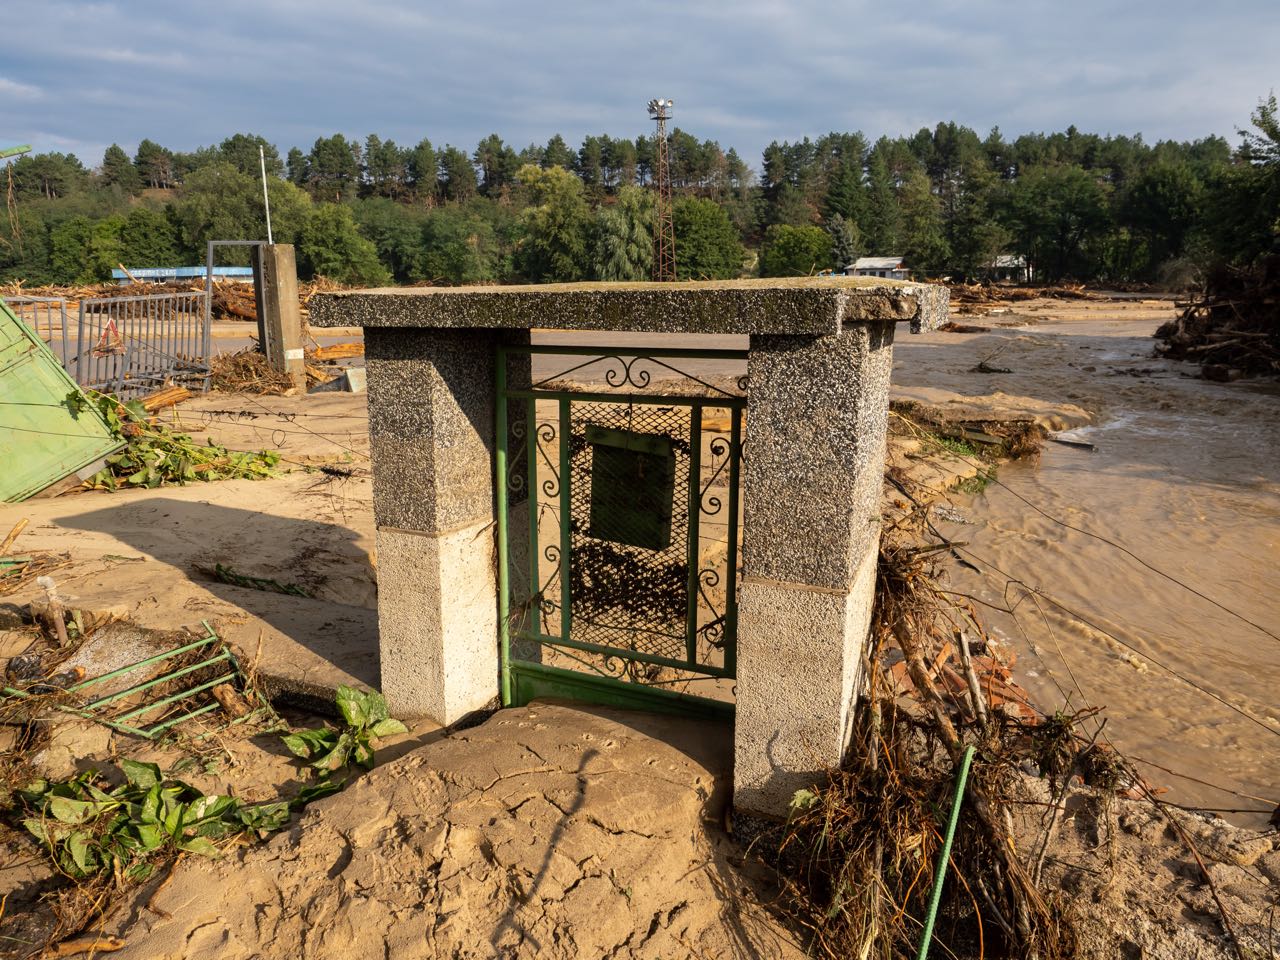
{"x":547,"y":434}
{"x":625,"y":375}
{"x":709,"y":504}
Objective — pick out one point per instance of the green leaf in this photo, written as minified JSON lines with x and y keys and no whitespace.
{"x":385,"y":728}
{"x":352,"y":704}
{"x":73,"y":811}
{"x":140,"y":871}
{"x":363,"y":753}
{"x":265,"y":816}
{"x":142,"y":775}
{"x":375,"y":706}
{"x":78,"y":847}
{"x":199,"y":845}
{"x":207,"y":807}
{"x":149,"y":835}
{"x":336,"y":758}
{"x":309,"y":743}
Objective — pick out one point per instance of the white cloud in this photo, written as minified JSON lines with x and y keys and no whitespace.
{"x":19,"y":91}
{"x":147,"y":59}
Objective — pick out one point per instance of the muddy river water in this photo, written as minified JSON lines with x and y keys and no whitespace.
{"x":1186,"y":476}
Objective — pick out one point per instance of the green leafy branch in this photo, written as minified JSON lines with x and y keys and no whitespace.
{"x":90,"y":831}
{"x":327,"y":750}
{"x":156,"y":456}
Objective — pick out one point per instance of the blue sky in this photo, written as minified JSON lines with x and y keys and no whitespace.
{"x":76,"y":76}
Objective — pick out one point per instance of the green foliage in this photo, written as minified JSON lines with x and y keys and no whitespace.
{"x":707,"y":245}
{"x":845,"y":241}
{"x":978,"y":482}
{"x":157,"y":457}
{"x":623,"y":237}
{"x":220,"y":203}
{"x":366,"y":719}
{"x":241,"y":150}
{"x":148,"y":239}
{"x":1052,"y":211}
{"x":89,"y":828}
{"x":457,"y":175}
{"x":331,"y":246}
{"x":1074,"y":204}
{"x":464,"y":243}
{"x":554,"y":225}
{"x":924,"y":245}
{"x":333,"y":168}
{"x":155,"y":165}
{"x":118,"y":171}
{"x":794,"y":251}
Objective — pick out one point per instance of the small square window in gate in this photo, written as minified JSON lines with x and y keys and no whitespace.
{"x":632,"y":487}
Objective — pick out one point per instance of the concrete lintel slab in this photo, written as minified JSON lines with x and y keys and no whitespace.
{"x":808,"y":306}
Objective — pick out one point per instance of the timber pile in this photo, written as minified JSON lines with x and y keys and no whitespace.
{"x":1233,"y":328}
{"x":969,"y":297}
{"x":247,"y":371}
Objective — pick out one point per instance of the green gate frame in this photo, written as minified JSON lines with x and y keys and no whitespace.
{"x":523,"y":680}
{"x":44,"y":437}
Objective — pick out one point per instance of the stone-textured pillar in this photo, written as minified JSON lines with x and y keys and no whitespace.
{"x":812,"y":477}
{"x":431,"y":427}
{"x":280,"y":317}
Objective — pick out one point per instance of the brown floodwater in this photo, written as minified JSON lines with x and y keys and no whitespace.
{"x":1186,"y":475}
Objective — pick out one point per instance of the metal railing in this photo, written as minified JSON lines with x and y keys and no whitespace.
{"x":47,"y":316}
{"x":132,"y":345}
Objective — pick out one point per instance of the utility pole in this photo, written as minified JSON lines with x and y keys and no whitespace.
{"x":664,"y":231}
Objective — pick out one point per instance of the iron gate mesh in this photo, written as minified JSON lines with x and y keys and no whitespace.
{"x":619,"y":526}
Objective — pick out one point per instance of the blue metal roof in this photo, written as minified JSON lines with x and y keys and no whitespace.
{"x":180,"y":273}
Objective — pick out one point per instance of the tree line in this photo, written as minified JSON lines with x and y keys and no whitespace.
{"x":1074,"y":205}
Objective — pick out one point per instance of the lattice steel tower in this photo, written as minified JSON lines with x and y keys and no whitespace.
{"x":664,"y":231}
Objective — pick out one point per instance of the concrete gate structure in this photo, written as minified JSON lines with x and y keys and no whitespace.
{"x":818,"y":365}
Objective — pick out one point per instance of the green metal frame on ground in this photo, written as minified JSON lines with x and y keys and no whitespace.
{"x":627,"y":601}
{"x":128,"y":721}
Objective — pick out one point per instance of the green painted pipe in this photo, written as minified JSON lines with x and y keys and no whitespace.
{"x":935,"y":898}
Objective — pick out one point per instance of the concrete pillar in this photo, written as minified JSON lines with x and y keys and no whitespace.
{"x":279,"y":317}
{"x":811,"y":485}
{"x":431,"y":428}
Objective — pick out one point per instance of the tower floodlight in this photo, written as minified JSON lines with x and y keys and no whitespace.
{"x":664,"y":233}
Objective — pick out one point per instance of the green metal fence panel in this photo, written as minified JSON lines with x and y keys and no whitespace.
{"x":618,"y":528}
{"x":43,"y":437}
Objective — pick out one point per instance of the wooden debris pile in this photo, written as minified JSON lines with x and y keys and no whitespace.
{"x":967,"y":298}
{"x":247,"y":370}
{"x":1233,"y":328}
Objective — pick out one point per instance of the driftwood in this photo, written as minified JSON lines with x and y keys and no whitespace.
{"x":1232,"y":329}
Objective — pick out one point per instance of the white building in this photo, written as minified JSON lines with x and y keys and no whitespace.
{"x":1008,"y":266}
{"x":890,"y":267}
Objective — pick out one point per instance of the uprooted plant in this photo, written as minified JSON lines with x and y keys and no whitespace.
{"x":157,"y":456}
{"x":90,"y":828}
{"x":105,"y":832}
{"x":859,"y":852}
{"x":328,"y":750}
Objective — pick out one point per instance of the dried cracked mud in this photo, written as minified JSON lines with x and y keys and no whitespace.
{"x":549,"y":831}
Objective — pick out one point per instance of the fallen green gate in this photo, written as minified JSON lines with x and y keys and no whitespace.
{"x":618,"y":519}
{"x":43,"y":436}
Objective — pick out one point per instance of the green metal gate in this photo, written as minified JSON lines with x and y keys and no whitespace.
{"x":43,"y":436}
{"x":618,"y":519}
